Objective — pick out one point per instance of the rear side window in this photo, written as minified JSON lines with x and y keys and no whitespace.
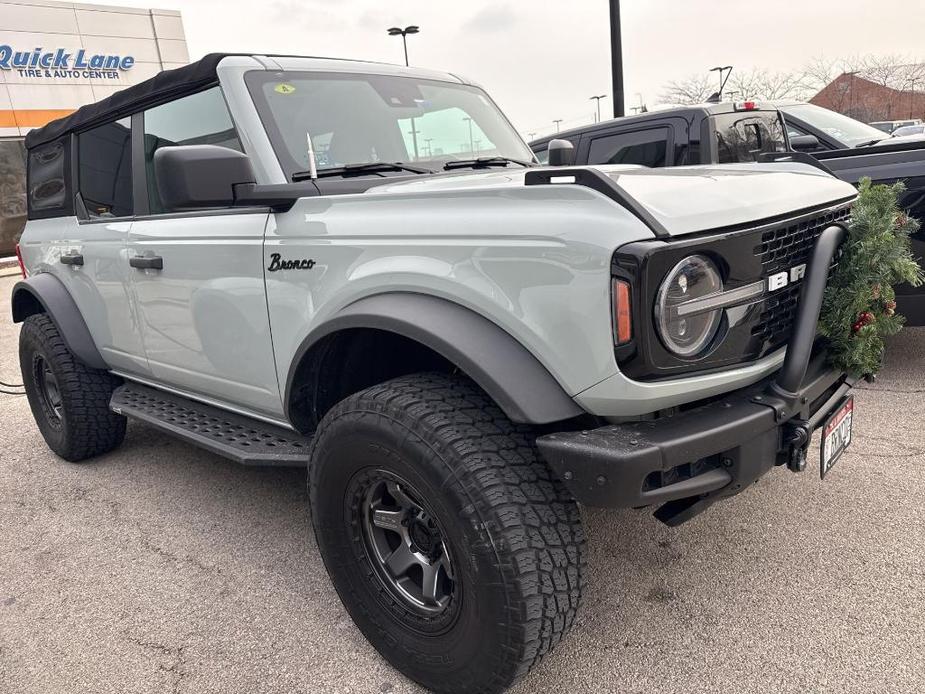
{"x":104,"y":169}
{"x":643,"y":147}
{"x":198,"y":119}
{"x":47,"y":180}
{"x":742,"y":137}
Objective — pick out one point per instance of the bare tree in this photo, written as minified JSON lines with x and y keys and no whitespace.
{"x":820,"y":72}
{"x":765,"y":85}
{"x":693,"y":89}
{"x":839,"y":77}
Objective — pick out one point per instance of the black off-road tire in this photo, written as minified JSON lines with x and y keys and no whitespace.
{"x":82,"y":425}
{"x":510,"y":530}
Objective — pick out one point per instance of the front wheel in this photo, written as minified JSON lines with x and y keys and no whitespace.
{"x":455,"y":550}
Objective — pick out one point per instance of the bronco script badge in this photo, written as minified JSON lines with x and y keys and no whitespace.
{"x":277,"y":263}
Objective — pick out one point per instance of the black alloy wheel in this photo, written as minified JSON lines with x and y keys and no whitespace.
{"x":49,"y":392}
{"x":406,"y":545}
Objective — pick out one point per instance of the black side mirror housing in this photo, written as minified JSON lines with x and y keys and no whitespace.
{"x":193,"y":177}
{"x":805,"y":143}
{"x":561,"y":153}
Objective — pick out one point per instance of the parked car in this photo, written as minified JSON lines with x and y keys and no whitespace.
{"x":358,"y":268}
{"x":749,"y":131}
{"x":907,"y":130}
{"x":890,"y":126}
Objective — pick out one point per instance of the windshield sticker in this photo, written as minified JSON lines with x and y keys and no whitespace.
{"x":283,"y":88}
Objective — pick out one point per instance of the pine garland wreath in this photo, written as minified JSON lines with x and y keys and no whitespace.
{"x":859,"y":307}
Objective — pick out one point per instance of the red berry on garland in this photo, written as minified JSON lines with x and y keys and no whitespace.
{"x":864,"y":318}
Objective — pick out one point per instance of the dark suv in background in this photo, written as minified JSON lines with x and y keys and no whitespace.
{"x":704,"y":134}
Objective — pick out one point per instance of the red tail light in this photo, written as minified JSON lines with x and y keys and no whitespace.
{"x":622,"y":314}
{"x":22,"y":266}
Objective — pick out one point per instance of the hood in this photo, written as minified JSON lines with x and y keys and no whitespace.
{"x":684,"y":200}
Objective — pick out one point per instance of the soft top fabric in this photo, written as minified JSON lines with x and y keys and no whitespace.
{"x":162,"y":87}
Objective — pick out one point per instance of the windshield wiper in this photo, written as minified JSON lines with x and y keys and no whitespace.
{"x":871,"y":142}
{"x":482,"y":163}
{"x":359,"y":169}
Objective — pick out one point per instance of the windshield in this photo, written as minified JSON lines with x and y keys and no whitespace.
{"x":847,"y":131}
{"x":366,"y":119}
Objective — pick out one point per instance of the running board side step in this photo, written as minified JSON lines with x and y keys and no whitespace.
{"x":240,"y":438}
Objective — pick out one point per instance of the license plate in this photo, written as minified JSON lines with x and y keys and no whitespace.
{"x":836,"y":435}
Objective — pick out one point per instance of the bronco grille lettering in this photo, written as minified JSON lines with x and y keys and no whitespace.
{"x":780,"y":280}
{"x":277,"y":263}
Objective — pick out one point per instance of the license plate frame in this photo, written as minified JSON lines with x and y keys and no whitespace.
{"x":836,"y":435}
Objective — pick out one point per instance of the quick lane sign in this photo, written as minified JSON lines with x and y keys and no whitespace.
{"x":61,"y":64}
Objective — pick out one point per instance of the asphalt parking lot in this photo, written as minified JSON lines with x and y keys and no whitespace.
{"x":162,"y":568}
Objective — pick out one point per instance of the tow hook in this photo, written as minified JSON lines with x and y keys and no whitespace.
{"x":798,"y":436}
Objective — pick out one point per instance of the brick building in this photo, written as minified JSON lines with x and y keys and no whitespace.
{"x":858,"y":95}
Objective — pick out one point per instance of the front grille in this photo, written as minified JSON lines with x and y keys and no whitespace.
{"x":781,"y":249}
{"x":785,"y":246}
{"x":777,"y":316}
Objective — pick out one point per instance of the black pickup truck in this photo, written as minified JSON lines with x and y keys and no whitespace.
{"x":749,"y":131}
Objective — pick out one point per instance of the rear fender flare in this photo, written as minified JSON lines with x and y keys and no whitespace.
{"x":45,"y":293}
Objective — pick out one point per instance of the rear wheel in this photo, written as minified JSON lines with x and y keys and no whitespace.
{"x":450,"y":543}
{"x":69,"y":400}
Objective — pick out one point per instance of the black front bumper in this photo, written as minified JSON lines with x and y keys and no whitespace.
{"x":687,"y":461}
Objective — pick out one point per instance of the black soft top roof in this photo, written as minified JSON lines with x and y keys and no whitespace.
{"x":162,"y":87}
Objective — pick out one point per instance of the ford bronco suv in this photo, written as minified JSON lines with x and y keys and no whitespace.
{"x":361,"y":269}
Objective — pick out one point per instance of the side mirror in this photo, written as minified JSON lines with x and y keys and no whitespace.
{"x":561,"y":153}
{"x":805,"y":143}
{"x":198,"y":176}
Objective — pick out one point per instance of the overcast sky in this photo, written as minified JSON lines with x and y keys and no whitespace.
{"x":542,"y":60}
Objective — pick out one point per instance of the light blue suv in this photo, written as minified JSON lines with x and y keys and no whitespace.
{"x":361,"y":269}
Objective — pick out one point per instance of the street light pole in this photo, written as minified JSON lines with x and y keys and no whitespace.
{"x":557,"y":121}
{"x":398,"y":31}
{"x":616,"y":59}
{"x":598,"y":100}
{"x":911,"y":83}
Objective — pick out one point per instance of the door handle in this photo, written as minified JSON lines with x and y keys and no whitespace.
{"x":72,"y":259}
{"x":147,"y":262}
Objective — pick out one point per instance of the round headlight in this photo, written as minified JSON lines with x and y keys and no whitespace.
{"x":684,"y":329}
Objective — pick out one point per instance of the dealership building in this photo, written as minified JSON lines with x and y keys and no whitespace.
{"x":58,"y":56}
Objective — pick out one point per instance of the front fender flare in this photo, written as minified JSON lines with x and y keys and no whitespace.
{"x":515,"y":379}
{"x":45,"y":293}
